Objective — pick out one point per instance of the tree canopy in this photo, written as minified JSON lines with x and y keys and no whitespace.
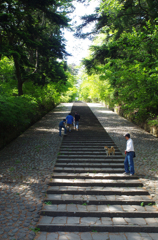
{"x":124,"y":55}
{"x":31,"y":35}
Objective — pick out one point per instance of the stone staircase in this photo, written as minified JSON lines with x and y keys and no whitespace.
{"x":89,"y":193}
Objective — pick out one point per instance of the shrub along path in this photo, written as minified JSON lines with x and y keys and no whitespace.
{"x":88,"y":197}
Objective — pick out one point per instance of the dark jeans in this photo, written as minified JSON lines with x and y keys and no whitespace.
{"x":60,"y":128}
{"x":76,"y":124}
{"x":129,"y":163}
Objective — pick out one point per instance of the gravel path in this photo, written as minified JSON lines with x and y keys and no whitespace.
{"x":146,"y":145}
{"x":26,"y":166}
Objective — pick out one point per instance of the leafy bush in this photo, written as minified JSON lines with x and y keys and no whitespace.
{"x":16,"y":110}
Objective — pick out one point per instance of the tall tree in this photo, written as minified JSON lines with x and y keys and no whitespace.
{"x":128,"y":53}
{"x":30,"y":33}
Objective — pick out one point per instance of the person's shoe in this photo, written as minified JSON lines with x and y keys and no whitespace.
{"x":131,"y":174}
{"x":125,"y":173}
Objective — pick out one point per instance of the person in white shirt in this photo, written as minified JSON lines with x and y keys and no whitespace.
{"x":129,"y":163}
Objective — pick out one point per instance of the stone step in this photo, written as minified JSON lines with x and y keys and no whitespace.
{"x":89,"y":182}
{"x":77,"y":224}
{"x":89,"y":200}
{"x":92,"y":156}
{"x":96,"y":184}
{"x":92,"y":176}
{"x":98,"y":181}
{"x":94,"y":235}
{"x":90,"y":169}
{"x":96,"y":161}
{"x":92,"y":165}
{"x":130,"y":218}
{"x":99,"y":210}
{"x":89,"y":159}
{"x":74,"y":190}
{"x":65,"y":141}
{"x":86,"y":148}
{"x":110,"y":199}
{"x":88,"y":144}
{"x":101,"y":152}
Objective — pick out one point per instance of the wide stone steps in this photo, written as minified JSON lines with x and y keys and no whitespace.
{"x":88,"y":192}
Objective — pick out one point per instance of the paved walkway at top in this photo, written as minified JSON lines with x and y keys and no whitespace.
{"x":146,"y":145}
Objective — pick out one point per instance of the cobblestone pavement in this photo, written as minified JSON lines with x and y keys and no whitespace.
{"x":146,"y":145}
{"x":26,"y":165}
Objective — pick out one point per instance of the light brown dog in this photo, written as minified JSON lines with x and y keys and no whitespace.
{"x":109,"y":150}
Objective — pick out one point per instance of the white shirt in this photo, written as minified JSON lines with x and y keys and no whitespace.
{"x":129,"y":145}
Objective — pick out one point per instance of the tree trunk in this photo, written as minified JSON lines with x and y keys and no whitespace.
{"x":36,"y":65}
{"x":18,"y":75}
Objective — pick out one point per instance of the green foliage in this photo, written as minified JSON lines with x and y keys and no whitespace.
{"x":35,"y":230}
{"x":70,"y":89}
{"x":84,"y":204}
{"x":153,"y":122}
{"x":16,"y":110}
{"x":48,"y":203}
{"x":31,"y":35}
{"x":33,"y":74}
{"x":19,"y":112}
{"x":124,"y":58}
{"x":93,"y":88}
